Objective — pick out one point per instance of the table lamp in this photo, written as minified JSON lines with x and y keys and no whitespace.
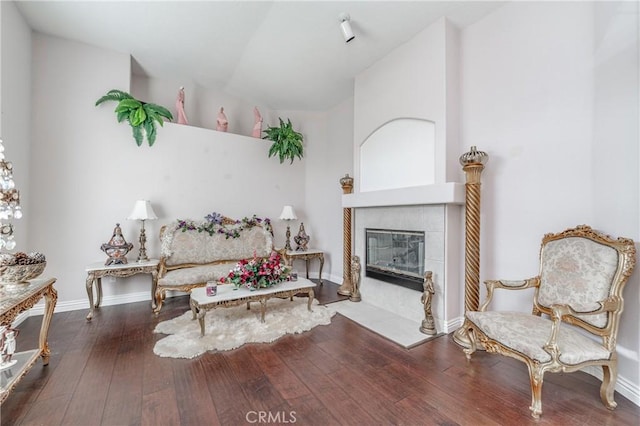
{"x":142,"y":210}
{"x":288,"y":214}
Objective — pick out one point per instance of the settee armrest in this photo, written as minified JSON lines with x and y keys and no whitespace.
{"x":507,"y":285}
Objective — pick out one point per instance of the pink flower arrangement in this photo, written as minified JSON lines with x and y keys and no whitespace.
{"x":257,"y":272}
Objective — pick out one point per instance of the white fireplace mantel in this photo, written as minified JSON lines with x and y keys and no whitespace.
{"x":445,"y":193}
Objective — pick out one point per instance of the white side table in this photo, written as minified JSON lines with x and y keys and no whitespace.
{"x":306,"y":255}
{"x":97,"y":270}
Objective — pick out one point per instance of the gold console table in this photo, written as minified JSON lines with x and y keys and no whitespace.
{"x":15,"y":299}
{"x":306,"y":255}
{"x":97,"y":270}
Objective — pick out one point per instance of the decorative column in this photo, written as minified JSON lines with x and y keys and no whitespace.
{"x":345,"y":289}
{"x":472,"y":163}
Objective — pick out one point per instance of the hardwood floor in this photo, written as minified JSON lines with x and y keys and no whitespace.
{"x":104,"y":372}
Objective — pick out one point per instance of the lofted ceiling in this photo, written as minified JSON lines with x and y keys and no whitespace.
{"x":281,"y":54}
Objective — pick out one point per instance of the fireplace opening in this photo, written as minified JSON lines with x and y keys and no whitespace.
{"x":396,"y":257}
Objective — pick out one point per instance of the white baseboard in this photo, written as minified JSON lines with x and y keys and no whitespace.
{"x":625,"y":387}
{"x":334,"y":279}
{"x":453,"y":325}
{"x":74,"y":305}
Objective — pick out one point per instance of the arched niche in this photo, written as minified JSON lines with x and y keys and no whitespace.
{"x":398,"y":154}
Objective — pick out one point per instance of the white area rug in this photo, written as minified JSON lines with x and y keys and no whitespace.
{"x":230,"y":328}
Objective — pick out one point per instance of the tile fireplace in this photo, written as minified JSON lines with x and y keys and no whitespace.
{"x":395,"y":256}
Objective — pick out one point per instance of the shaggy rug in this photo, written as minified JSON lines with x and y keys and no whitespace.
{"x":230,"y":328}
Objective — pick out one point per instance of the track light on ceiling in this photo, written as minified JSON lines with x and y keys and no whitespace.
{"x":345,"y":26}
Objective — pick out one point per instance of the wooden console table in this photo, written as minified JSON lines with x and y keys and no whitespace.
{"x":228,"y":295}
{"x":306,"y":255}
{"x":17,"y":298}
{"x":97,"y":270}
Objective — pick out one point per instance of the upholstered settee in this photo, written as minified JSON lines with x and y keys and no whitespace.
{"x":191,"y":255}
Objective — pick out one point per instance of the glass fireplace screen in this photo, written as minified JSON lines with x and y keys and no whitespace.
{"x":395,"y":256}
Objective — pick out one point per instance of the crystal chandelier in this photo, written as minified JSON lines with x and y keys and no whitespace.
{"x":9,"y":202}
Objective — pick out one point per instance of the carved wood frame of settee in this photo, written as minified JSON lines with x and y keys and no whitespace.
{"x":582,"y":275}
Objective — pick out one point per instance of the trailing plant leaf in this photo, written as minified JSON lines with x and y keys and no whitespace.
{"x":126,"y":104}
{"x":122,"y":115}
{"x":150,"y":129}
{"x":141,"y":116}
{"x":137,"y":134}
{"x":114,"y":95}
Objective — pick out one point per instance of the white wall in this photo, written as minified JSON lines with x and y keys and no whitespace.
{"x":87,"y":171}
{"x":15,"y":121}
{"x":327,"y":162}
{"x":614,"y":165}
{"x":527,"y":96}
{"x":560,"y":123}
{"x":410,"y":82}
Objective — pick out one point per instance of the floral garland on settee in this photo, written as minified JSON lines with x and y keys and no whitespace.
{"x":257,"y":272}
{"x":214,"y":223}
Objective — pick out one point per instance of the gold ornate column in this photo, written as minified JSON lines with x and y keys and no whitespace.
{"x":472,"y":163}
{"x":345,"y":289}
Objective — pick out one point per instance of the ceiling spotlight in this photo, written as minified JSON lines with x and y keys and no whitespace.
{"x":345,"y":26}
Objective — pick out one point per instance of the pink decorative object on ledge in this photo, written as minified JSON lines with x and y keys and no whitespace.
{"x":257,"y":127}
{"x":222,"y":122}
{"x":182,"y":117}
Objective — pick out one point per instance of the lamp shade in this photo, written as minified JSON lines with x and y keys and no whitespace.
{"x":142,"y":210}
{"x":288,"y":213}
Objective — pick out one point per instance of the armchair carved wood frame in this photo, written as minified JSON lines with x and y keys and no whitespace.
{"x":579,"y":288}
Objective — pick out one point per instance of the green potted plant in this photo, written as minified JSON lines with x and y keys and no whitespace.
{"x":141,"y":116}
{"x":287,"y":143}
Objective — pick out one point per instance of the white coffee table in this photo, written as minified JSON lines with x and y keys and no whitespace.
{"x":228,"y":295}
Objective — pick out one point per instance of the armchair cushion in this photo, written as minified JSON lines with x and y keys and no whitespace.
{"x":527,"y":334}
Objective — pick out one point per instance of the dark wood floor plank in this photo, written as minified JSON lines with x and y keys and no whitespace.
{"x":225,"y":390}
{"x":46,"y":412}
{"x":343,"y":408}
{"x":127,"y":379}
{"x":160,"y":408}
{"x":279,"y":374}
{"x":260,"y":393}
{"x":104,"y":372}
{"x":88,"y":401}
{"x":194,"y":401}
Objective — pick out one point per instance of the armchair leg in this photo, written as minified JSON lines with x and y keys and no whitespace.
{"x":610,"y":375}
{"x":535,"y":376}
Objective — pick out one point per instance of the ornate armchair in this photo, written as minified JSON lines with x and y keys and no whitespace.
{"x":579,"y":288}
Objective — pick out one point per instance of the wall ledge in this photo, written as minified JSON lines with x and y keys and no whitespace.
{"x":445,"y":193}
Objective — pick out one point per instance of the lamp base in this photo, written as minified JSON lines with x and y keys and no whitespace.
{"x":142,"y":255}
{"x":287,"y":245}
